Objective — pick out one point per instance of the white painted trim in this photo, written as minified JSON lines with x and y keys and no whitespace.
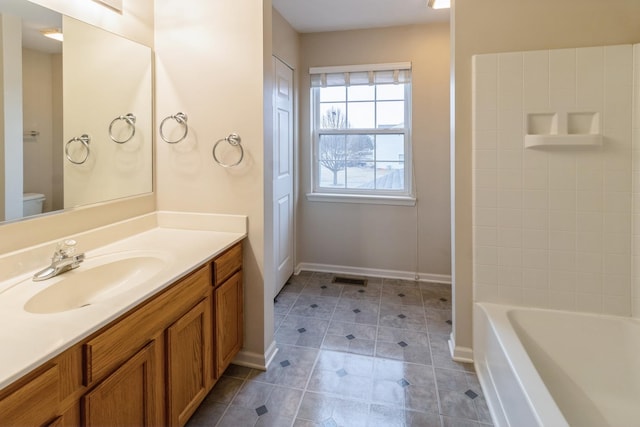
{"x":458,"y":353}
{"x":253,"y":360}
{"x":360,"y":68}
{"x":358,"y":198}
{"x":373,"y":272}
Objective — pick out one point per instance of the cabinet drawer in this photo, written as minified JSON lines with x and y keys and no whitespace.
{"x":111,"y":348}
{"x":35,"y":403}
{"x":227,"y":264}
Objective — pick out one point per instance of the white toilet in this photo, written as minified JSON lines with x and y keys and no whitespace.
{"x":32,"y":203}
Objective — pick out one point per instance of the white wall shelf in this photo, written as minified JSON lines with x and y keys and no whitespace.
{"x":564,"y":141}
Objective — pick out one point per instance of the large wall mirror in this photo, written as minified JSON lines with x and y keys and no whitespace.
{"x":75,"y":116}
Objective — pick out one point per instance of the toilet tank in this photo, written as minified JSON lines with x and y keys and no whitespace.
{"x":32,"y":203}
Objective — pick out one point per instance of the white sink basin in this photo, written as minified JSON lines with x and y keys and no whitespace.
{"x":96,"y":280}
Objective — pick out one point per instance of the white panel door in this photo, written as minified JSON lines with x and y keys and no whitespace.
{"x":283,"y":172}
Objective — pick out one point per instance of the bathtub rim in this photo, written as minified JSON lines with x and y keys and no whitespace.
{"x":544,"y":409}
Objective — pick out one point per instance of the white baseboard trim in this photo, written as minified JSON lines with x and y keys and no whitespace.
{"x":458,"y":353}
{"x":373,"y":272}
{"x":253,"y":360}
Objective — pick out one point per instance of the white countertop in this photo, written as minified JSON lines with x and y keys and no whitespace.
{"x":28,"y":339}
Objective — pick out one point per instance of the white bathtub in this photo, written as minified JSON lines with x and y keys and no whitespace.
{"x":554,"y":368}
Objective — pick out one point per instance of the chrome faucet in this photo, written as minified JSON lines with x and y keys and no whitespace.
{"x":63,"y":259}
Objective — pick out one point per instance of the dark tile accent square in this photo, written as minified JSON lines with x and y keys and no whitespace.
{"x":285,"y":363}
{"x":341,"y":372}
{"x":400,"y":295}
{"x":356,"y":311}
{"x":302,"y":330}
{"x":361,"y":291}
{"x":402,"y":316}
{"x":402,"y":344}
{"x":444,"y":299}
{"x":449,"y":322}
{"x":275,"y":300}
{"x":261,"y":410}
{"x":404,"y":383}
{"x":314,"y":306}
{"x":323,"y":287}
{"x":350,"y":337}
{"x":471,"y":394}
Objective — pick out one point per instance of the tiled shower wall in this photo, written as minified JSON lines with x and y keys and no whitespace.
{"x":635,"y":289}
{"x":553,"y":225}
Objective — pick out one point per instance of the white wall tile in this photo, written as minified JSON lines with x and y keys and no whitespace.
{"x":485,"y":236}
{"x":485,"y":140}
{"x":510,"y":179}
{"x":562,"y":178}
{"x":485,"y":159}
{"x":562,"y":300}
{"x":536,"y":179}
{"x":485,"y":274}
{"x":534,"y":239}
{"x":535,"y":199}
{"x":589,"y":221}
{"x":618,"y":65}
{"x":510,"y":80}
{"x":591,"y":303}
{"x":535,"y":159}
{"x":536,"y":219}
{"x":509,"y":276}
{"x":485,"y":292}
{"x":487,"y":255}
{"x":590,"y":201}
{"x":535,"y":278}
{"x":589,"y":262}
{"x":589,"y":78}
{"x":562,"y":241}
{"x":486,"y":198}
{"x":486,"y":119}
{"x":562,"y":200}
{"x":509,"y":199}
{"x":616,"y":305}
{"x":562,"y":220}
{"x":562,"y":260}
{"x":537,"y":259}
{"x":487,"y":217}
{"x":617,"y":243}
{"x":589,"y":242}
{"x":536,"y":81}
{"x":535,"y":298}
{"x":616,"y":285}
{"x":510,"y":237}
{"x":510,"y":257}
{"x":589,"y":282}
{"x":617,"y":223}
{"x":510,"y":159}
{"x":508,"y":295}
{"x":510,"y":217}
{"x":486,"y":179}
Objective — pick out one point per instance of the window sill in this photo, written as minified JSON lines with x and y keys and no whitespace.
{"x":364,"y":199}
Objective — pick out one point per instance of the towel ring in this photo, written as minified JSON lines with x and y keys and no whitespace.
{"x":234,"y":140}
{"x":129,"y":119}
{"x":83,"y":139}
{"x":181,"y":118}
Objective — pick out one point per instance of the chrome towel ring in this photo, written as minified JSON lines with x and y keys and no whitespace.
{"x":129,"y":119}
{"x":235,"y":141}
{"x":83,"y":139}
{"x":181,"y":118}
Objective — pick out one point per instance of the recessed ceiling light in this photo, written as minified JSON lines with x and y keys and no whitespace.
{"x":52,"y":33}
{"x":439,"y":4}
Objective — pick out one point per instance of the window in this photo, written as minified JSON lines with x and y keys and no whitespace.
{"x":361,"y":132}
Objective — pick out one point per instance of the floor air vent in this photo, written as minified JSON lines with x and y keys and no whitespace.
{"x":349,"y":281}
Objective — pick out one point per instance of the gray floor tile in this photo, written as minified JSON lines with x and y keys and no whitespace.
{"x":301,"y":331}
{"x":357,"y":311}
{"x":380,"y":415}
{"x":291,"y":367}
{"x":314,"y":306}
{"x":405,"y":345}
{"x":283,"y":302}
{"x":353,"y":356}
{"x":402,"y":316}
{"x":277,"y":320}
{"x":350,"y":338}
{"x":326,"y":410}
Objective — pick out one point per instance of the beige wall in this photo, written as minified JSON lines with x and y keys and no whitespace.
{"x":209,"y":65}
{"x":498,"y":26}
{"x":377,"y":236}
{"x":136,"y":22}
{"x":37,"y":106}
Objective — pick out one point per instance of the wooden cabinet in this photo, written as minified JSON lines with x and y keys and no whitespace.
{"x":129,"y":396}
{"x":152,"y":366}
{"x":189,"y":356}
{"x":229,"y":320}
{"x":41,"y":391}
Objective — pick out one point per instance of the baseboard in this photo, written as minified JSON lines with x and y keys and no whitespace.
{"x":373,"y":272}
{"x":458,"y":353}
{"x":254,"y":360}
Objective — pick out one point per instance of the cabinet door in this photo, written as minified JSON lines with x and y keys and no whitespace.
{"x":229,"y":320}
{"x":189,"y":357}
{"x":128,"y":396}
{"x":33,"y":404}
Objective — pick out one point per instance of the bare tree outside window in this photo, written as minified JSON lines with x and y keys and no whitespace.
{"x":337,"y":152}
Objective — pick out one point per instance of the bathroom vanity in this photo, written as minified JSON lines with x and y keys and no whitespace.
{"x":146,"y":356}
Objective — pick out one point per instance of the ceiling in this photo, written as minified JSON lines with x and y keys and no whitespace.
{"x":309,"y":16}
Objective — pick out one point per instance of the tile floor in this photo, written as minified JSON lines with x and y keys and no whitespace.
{"x":353,"y":356}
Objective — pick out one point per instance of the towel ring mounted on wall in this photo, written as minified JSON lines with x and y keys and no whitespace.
{"x":129,"y":119}
{"x":181,"y":118}
{"x":83,"y":139}
{"x":235,"y":141}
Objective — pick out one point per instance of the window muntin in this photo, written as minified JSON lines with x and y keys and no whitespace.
{"x":362,"y":139}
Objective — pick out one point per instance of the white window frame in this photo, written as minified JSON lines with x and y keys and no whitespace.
{"x":404,"y":197}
